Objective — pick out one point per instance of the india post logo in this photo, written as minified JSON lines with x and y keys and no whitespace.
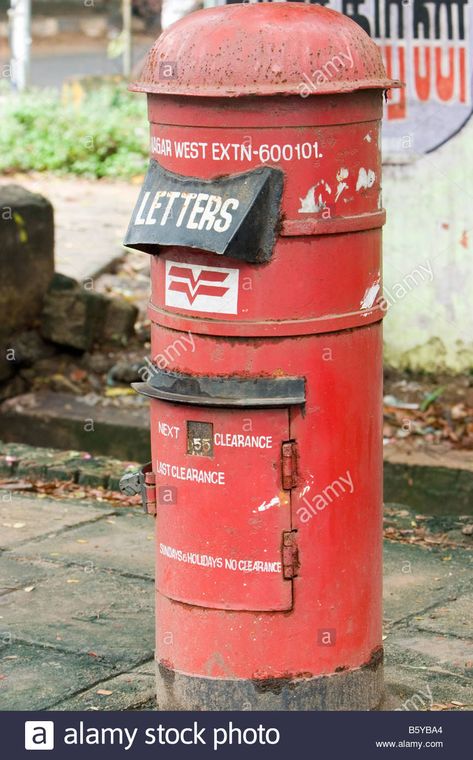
{"x":39,"y":734}
{"x":201,"y":288}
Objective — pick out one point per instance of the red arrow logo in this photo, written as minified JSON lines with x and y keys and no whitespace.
{"x":193,"y":286}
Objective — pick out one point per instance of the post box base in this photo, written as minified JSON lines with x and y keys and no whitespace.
{"x":358,"y":689}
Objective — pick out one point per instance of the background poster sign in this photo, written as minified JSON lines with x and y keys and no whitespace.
{"x":427,"y":45}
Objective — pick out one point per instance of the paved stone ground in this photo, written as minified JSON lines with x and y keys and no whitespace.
{"x":76,"y":612}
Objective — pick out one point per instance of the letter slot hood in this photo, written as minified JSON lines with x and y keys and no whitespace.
{"x":235,"y":215}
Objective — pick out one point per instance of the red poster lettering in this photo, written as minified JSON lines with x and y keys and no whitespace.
{"x":445,"y":84}
{"x":422,"y":82}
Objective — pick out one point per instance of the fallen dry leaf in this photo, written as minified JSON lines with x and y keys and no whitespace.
{"x":77,"y":375}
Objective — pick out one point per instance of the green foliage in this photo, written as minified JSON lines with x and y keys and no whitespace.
{"x":105,"y":135}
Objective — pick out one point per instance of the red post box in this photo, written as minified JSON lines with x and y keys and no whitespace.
{"x":262,"y":211}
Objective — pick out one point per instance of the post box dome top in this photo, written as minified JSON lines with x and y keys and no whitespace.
{"x":263,"y":49}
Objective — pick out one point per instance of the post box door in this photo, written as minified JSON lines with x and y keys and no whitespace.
{"x":222,"y":513}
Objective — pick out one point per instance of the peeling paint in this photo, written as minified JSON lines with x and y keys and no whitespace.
{"x":369,"y":297}
{"x":275,"y":502}
{"x":311,"y":204}
{"x":366,"y":179}
{"x":342,"y":174}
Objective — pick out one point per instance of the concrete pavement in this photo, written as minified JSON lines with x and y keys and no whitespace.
{"x":76,"y":606}
{"x":76,"y":612}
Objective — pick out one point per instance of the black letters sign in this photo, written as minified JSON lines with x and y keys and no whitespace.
{"x":234,"y":215}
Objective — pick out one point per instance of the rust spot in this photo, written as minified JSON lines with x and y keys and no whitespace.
{"x":166,"y":671}
{"x":375,"y":660}
{"x":277,"y":683}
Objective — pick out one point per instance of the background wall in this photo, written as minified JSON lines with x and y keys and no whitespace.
{"x":429,"y":201}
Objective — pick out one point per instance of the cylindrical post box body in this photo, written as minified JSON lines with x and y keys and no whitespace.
{"x":264,"y":216}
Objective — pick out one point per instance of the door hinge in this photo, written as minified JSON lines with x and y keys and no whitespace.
{"x":143,"y":482}
{"x":290,"y":554}
{"x":289,"y":465}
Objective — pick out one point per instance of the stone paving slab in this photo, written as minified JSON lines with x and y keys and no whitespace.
{"x":18,"y":574}
{"x":425,"y":661}
{"x":149,"y":668}
{"x":453,"y":619}
{"x":34,"y":678}
{"x":419,"y":682}
{"x":123,"y":542}
{"x":23,"y":518}
{"x":416,"y":578}
{"x":449,"y":654}
{"x":127,"y":691}
{"x":85,"y":610}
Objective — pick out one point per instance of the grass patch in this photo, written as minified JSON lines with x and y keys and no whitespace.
{"x":104,"y":135}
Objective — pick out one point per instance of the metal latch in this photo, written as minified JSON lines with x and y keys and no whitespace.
{"x":143,"y":482}
{"x":289,"y":465}
{"x":290,"y":554}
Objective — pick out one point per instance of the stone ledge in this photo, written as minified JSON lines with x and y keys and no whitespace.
{"x":431,"y":479}
{"x":66,"y":422}
{"x":25,"y":462}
